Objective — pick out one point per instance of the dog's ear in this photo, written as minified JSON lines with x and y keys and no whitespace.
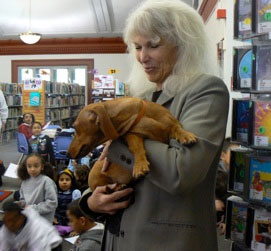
{"x":91,"y":117}
{"x":104,"y":121}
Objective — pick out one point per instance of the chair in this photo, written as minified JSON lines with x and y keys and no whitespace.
{"x":53,"y":127}
{"x":61,"y":144}
{"x":22,"y":145}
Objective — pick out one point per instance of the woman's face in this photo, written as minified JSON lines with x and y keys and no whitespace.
{"x":157,"y":58}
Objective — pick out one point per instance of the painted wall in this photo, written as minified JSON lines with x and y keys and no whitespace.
{"x":102,"y":62}
{"x":217,"y":30}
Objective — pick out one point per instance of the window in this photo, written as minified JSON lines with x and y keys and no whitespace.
{"x":78,"y":71}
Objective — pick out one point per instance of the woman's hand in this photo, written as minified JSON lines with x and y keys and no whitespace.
{"x":104,"y":154}
{"x":105,"y":200}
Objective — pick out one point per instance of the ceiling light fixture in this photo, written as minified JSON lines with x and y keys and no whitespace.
{"x":30,"y":37}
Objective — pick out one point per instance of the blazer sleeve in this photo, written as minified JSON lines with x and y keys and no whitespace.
{"x":178,"y":168}
{"x":50,"y":201}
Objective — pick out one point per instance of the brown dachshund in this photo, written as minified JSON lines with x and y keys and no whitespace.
{"x":133,"y":118}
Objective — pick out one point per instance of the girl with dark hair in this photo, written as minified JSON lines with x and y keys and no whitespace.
{"x":25,"y":123}
{"x":66,"y":193}
{"x":38,"y":190}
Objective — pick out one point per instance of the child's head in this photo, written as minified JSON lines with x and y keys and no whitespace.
{"x":13,"y":218}
{"x":77,"y":220}
{"x":33,"y":166}
{"x":81,"y":175}
{"x":65,"y":180}
{"x":36,"y":128}
{"x":28,"y":118}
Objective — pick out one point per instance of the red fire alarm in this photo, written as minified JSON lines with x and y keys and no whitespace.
{"x":221,"y":13}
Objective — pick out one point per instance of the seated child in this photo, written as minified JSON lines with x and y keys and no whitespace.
{"x":24,"y":124}
{"x":90,"y":232}
{"x":26,"y":230}
{"x":81,"y":177}
{"x":66,"y":193}
{"x":42,"y":144}
{"x":38,"y":191}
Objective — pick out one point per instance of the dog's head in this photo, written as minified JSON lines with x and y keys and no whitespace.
{"x":92,"y":128}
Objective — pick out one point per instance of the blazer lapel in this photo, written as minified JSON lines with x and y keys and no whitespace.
{"x":164,"y":98}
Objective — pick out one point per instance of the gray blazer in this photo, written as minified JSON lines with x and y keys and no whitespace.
{"x":174,"y":207}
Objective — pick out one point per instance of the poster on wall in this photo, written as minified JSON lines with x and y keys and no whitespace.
{"x":34,"y":99}
{"x":103,"y":81}
{"x":33,"y":84}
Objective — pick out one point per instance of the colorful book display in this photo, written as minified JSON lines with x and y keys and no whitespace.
{"x":242,"y":69}
{"x":261,"y":16}
{"x":248,"y":220}
{"x":105,"y":87}
{"x":243,"y":18}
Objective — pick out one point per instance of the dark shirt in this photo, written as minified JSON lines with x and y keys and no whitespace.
{"x":42,"y":145}
{"x":64,"y":199}
{"x":156,"y":95}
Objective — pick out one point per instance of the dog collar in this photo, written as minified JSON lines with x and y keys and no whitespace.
{"x":141,"y":113}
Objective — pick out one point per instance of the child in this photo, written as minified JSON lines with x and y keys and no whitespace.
{"x":90,"y":232}
{"x":42,"y":144}
{"x":38,"y":190}
{"x":81,"y":177}
{"x":25,"y":123}
{"x":65,"y":195}
{"x":26,"y":230}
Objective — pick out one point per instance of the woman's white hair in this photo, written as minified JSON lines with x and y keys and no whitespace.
{"x":181,"y":26}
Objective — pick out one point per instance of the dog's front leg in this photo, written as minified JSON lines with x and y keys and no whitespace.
{"x":136,"y":146}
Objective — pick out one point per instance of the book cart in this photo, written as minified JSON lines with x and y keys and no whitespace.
{"x":248,"y":212}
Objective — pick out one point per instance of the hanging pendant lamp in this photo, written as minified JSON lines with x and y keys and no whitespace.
{"x":30,"y":37}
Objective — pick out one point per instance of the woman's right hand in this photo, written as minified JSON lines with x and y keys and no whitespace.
{"x":105,"y":200}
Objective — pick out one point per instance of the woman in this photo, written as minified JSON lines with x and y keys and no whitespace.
{"x":3,"y":112}
{"x":173,"y":206}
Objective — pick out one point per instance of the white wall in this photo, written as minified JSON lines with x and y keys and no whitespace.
{"x":102,"y":62}
{"x":223,"y":28}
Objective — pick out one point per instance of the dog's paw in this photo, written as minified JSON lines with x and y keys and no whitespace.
{"x":188,"y":138}
{"x":140,"y":170}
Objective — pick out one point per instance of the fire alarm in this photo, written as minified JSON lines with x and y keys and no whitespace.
{"x":221,"y":13}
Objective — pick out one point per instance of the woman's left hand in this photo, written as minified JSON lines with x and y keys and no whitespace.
{"x":104,"y":154}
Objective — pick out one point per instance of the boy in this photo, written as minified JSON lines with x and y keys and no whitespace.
{"x":90,"y":232}
{"x":26,"y":230}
